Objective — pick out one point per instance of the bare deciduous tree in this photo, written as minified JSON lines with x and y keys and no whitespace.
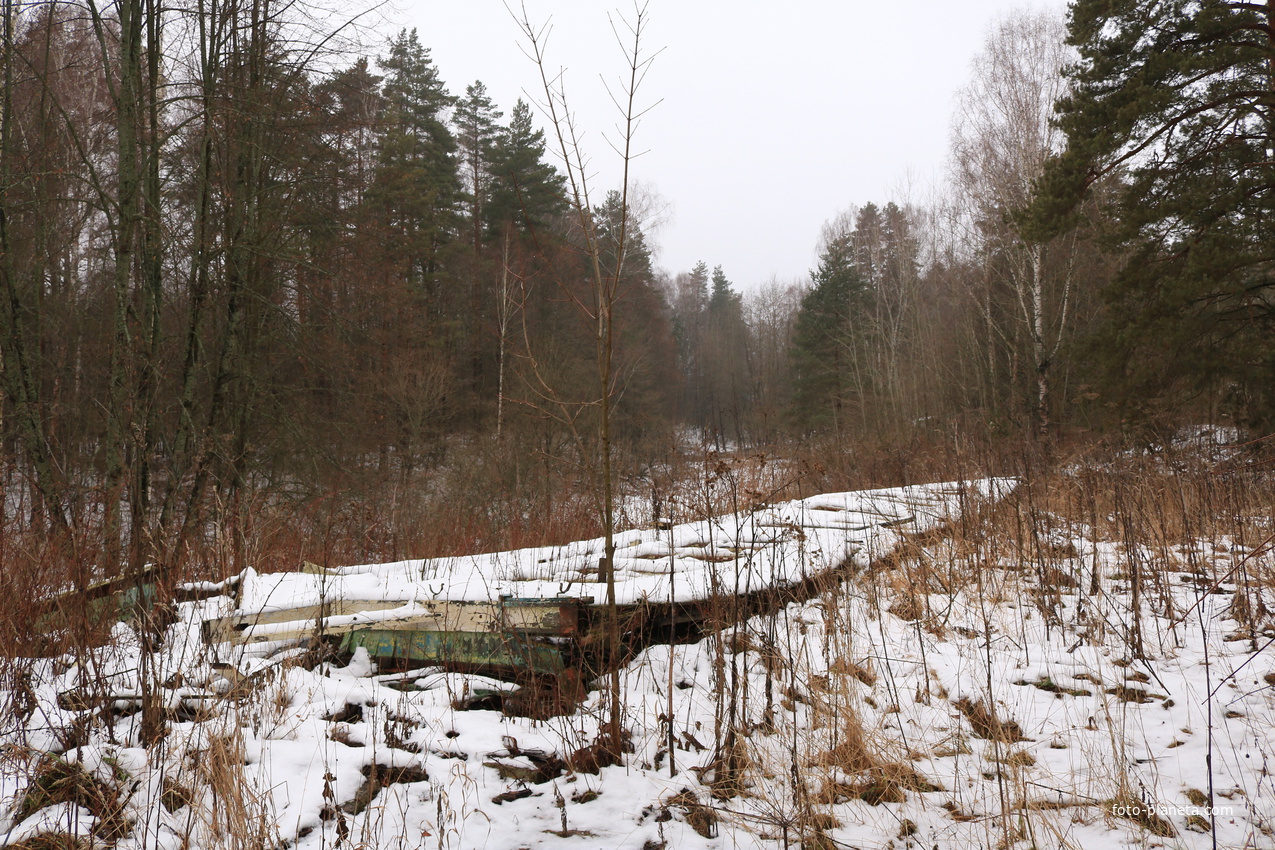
{"x":1001,"y":141}
{"x":605,"y":257}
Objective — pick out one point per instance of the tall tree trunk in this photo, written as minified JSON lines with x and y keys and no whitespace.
{"x":1040,"y":355}
{"x":1270,"y":88}
{"x":142,"y":546}
{"x":20,"y":375}
{"x":504,"y":312}
{"x":121,"y":405}
{"x":188,"y":453}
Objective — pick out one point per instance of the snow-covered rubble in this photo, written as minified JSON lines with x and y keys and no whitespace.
{"x":774,"y":545}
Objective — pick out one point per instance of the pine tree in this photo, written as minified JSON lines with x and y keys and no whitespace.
{"x":634,"y":265}
{"x":477,"y":133}
{"x":524,"y":194}
{"x":353,"y":106}
{"x":417,"y":186}
{"x":1176,"y":102}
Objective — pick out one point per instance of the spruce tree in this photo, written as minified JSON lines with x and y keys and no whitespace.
{"x":726,"y":361}
{"x":525,"y":189}
{"x":724,"y":300}
{"x":690,"y":304}
{"x":825,"y":337}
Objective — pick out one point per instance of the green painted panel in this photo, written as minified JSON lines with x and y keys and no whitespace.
{"x":96,"y":606}
{"x":485,"y":649}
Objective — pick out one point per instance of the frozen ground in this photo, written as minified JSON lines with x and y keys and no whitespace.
{"x":948,"y":697}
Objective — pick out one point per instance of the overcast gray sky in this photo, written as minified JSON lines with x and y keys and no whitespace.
{"x":771,"y":116}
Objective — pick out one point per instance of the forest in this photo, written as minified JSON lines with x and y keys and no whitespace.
{"x":269,"y":299}
{"x":367,"y":482}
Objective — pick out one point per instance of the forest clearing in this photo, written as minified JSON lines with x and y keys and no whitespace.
{"x":380,"y":469}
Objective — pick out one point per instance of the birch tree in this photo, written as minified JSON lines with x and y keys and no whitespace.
{"x":1002,"y":140}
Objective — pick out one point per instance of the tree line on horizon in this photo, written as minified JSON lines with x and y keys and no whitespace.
{"x":1101,"y":258}
{"x":238,"y":273}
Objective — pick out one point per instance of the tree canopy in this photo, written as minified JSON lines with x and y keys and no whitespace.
{"x":1173,"y":105}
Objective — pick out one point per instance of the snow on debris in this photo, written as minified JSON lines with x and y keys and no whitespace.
{"x":1002,"y":708}
{"x":777,"y":545}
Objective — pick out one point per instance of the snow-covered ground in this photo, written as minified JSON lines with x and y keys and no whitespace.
{"x":773,"y":545}
{"x":947,"y":697}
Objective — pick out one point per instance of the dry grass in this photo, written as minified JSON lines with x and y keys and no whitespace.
{"x":1170,"y":516}
{"x":797,"y":748}
{"x":52,"y":841}
{"x":58,"y":781}
{"x":233,"y":814}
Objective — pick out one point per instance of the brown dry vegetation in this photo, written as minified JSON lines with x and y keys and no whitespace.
{"x":1153,"y":507}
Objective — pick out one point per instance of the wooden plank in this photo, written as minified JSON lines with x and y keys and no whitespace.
{"x":331,"y":627}
{"x":523,"y":616}
{"x":230,"y":629}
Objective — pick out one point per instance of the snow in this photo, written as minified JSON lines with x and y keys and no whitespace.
{"x":284,"y":754}
{"x":773,"y":546}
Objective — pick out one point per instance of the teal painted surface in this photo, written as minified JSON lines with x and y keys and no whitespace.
{"x":133,"y":603}
{"x":485,"y":649}
{"x":124,"y":605}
